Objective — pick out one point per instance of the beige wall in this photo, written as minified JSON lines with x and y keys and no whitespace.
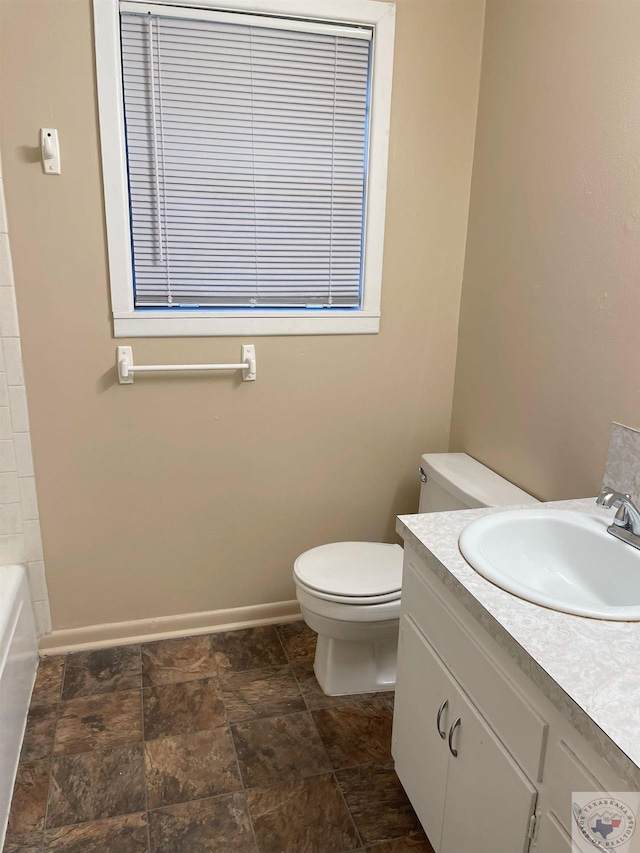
{"x":550,"y":319}
{"x":183,"y":494}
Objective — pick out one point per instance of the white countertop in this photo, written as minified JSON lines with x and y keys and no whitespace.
{"x":592,"y":663}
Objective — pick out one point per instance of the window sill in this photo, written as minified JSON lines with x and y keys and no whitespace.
{"x":202,"y":324}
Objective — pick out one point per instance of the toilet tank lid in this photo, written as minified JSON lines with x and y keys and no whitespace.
{"x":472,"y":482}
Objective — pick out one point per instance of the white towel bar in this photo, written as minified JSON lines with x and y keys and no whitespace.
{"x":126,"y":367}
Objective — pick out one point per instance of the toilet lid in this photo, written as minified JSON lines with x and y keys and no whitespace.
{"x":352,"y":569}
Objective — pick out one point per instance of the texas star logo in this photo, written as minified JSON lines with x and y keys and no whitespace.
{"x":606,"y":823}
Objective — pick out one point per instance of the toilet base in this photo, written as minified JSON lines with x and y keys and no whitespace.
{"x":357,"y":646}
{"x":343,"y":667}
{"x":356,"y":658}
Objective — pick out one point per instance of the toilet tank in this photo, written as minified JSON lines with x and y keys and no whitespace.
{"x":456,"y":481}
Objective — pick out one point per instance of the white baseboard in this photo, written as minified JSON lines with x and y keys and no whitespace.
{"x":163,"y":628}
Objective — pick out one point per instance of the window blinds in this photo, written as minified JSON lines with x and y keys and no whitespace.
{"x":247,"y":156}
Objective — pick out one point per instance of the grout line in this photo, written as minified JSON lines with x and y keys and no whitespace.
{"x":53,"y":746}
{"x":279,"y":717}
{"x":244,"y":789}
{"x":64,"y":675}
{"x":218,"y":680}
{"x":217,"y":796}
{"x":92,"y":820}
{"x":346,"y":805}
{"x":144,"y":756}
{"x":302,"y":693}
{"x":231,"y":673}
{"x":283,"y":647}
{"x":104,"y":694}
{"x":388,"y":765}
{"x":290,"y":781}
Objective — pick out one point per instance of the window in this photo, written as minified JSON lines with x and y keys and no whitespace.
{"x":244,"y":164}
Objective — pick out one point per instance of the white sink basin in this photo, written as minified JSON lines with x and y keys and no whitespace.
{"x":560,"y":559}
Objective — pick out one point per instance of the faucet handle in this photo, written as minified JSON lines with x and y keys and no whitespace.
{"x":622,"y":516}
{"x":609,"y":497}
{"x":606,"y":493}
{"x":628,"y":515}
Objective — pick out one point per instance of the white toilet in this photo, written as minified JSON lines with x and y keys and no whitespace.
{"x":349,"y":592}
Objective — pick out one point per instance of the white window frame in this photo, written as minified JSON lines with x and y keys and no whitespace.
{"x":129,"y":322}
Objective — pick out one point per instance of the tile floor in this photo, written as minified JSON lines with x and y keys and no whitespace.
{"x":221,"y":743}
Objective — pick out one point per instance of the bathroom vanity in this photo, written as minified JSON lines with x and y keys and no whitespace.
{"x":504,"y":708}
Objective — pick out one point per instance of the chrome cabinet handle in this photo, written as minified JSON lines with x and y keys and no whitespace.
{"x":453,"y":751}
{"x":440,"y":712}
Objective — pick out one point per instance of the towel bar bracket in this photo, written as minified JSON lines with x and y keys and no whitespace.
{"x":127,"y":368}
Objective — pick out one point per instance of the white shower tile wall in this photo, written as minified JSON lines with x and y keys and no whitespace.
{"x":622,"y":471}
{"x":20,"y":539}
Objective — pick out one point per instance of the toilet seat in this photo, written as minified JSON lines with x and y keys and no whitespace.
{"x":355,"y":573}
{"x":376,"y":613}
{"x":352,"y":600}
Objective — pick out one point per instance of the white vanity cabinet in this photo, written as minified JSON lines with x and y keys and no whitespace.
{"x":445,"y":755}
{"x":487,"y":762}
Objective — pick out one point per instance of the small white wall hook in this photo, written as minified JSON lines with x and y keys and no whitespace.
{"x":50,"y":150}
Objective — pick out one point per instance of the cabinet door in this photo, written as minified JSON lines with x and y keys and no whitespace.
{"x":420,"y":754}
{"x":489,"y":801}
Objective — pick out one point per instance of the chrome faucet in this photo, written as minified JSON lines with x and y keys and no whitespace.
{"x":626,"y":523}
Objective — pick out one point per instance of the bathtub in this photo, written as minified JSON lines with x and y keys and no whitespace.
{"x":18,"y":664}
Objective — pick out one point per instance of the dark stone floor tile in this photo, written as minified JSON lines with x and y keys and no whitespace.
{"x":408,"y":844}
{"x":187,"y":706}
{"x":102,"y":671}
{"x":378,"y":804}
{"x":39,"y":733}
{"x":30,"y":843}
{"x":279,"y":749}
{"x":307,"y":816}
{"x":29,"y":803}
{"x":190,"y":767}
{"x":97,"y":796}
{"x":387,"y":698}
{"x":216,"y":825}
{"x":251,"y":648}
{"x":312,"y":692}
{"x":99,"y":722}
{"x":299,"y":641}
{"x":177,"y":660}
{"x":127,"y":834}
{"x":261,"y":693}
{"x":48,"y":686}
{"x":357,"y":733}
{"x":95,"y":785}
